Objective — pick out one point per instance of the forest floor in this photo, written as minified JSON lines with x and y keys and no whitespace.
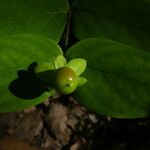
{"x":60,"y":123}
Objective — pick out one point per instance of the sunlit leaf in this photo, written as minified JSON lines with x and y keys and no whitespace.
{"x":19,"y":55}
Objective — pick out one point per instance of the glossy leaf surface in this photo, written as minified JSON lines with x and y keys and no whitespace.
{"x":118,"y":78}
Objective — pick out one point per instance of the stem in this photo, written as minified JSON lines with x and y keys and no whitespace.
{"x":68,"y":29}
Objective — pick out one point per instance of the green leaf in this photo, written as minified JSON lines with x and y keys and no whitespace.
{"x":78,"y":65}
{"x":126,"y":21}
{"x":45,"y":71}
{"x":19,"y":52}
{"x":45,"y":67}
{"x":81,"y":81}
{"x":53,"y":64}
{"x":60,"y":61}
{"x":118,"y":78}
{"x":43,"y":17}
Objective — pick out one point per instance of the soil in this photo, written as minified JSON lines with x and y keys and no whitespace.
{"x":60,"y":123}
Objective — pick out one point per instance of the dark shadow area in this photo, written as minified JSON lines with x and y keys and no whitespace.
{"x":62,"y":43}
{"x":27,"y":85}
{"x":120,"y":134}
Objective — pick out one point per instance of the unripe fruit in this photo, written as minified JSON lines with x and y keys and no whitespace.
{"x":65,"y":80}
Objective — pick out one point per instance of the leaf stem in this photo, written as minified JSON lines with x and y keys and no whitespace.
{"x":68,"y":29}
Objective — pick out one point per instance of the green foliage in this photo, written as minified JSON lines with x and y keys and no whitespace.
{"x":118,"y":78}
{"x":43,"y":17}
{"x":78,"y":65}
{"x":17,"y":52}
{"x":47,"y":71}
{"x":126,"y":21}
{"x":81,"y":81}
{"x":55,"y":63}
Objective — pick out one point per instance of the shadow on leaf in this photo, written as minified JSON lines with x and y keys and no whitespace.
{"x":28,"y":85}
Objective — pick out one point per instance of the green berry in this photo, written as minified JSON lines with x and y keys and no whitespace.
{"x":65,"y":80}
